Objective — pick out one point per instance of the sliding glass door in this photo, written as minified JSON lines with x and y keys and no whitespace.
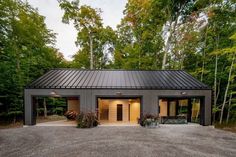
{"x":191,"y":108}
{"x":172,"y":108}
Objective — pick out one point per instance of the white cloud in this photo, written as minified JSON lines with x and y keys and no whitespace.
{"x":66,"y":34}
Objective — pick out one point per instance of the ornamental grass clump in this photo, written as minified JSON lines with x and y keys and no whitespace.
{"x":87,"y":120}
{"x":148,"y":120}
{"x":71,"y":115}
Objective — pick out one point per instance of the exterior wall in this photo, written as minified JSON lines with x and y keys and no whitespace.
{"x":73,"y":105}
{"x":88,"y":99}
{"x":134,"y":111}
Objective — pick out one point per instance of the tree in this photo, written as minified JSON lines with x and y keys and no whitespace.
{"x":26,"y":51}
{"x":231,"y":52}
{"x":92,"y":37}
{"x":139,"y":40}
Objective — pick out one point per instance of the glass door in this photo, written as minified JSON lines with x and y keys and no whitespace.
{"x":172,"y":108}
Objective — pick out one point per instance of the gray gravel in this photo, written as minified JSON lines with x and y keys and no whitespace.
{"x":167,"y":140}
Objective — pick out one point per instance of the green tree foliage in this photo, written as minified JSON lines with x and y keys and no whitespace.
{"x":26,"y":50}
{"x":91,"y":36}
{"x":165,"y":34}
{"x":197,"y":36}
{"x":139,"y":41}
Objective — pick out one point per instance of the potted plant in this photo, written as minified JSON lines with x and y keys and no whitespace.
{"x":71,"y":115}
{"x":87,"y":120}
{"x":149,"y":121}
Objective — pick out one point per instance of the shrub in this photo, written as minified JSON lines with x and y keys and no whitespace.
{"x":40,"y":111}
{"x":87,"y":120}
{"x":71,"y":115}
{"x":58,"y":110}
{"x":11,"y":116}
{"x":147,"y":119}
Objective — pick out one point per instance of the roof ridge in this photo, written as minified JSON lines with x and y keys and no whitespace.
{"x":115,"y":69}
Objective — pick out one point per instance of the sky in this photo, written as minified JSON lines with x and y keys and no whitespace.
{"x":66,"y":34}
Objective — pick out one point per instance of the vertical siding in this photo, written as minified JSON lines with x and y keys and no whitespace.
{"x":112,"y":112}
{"x":73,"y":105}
{"x":126,"y":111}
{"x":134,"y":111}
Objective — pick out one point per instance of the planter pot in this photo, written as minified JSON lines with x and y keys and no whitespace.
{"x":151,"y":123}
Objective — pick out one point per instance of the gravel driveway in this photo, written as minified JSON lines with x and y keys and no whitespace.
{"x":167,"y":140}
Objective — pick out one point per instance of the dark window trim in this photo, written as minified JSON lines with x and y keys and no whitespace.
{"x":33,"y":111}
{"x":202,"y":103}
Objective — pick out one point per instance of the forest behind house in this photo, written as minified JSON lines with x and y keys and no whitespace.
{"x":198,"y":36}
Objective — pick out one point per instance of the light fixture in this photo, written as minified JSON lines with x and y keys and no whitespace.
{"x":118,"y":93}
{"x":183,"y":93}
{"x":54,"y":94}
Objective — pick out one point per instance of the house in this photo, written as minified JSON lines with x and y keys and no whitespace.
{"x":124,"y":95}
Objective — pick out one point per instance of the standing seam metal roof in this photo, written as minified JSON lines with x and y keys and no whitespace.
{"x":117,"y":79}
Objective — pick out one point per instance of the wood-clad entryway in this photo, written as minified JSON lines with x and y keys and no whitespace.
{"x":118,"y":110}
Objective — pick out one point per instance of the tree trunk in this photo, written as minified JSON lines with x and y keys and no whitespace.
{"x":215,"y":85}
{"x":226,"y":90}
{"x":45,"y":108}
{"x":204,"y":54}
{"x":91,"y":50}
{"x":215,"y":78}
{"x":167,"y":46}
{"x":228,"y":113}
{"x":218,"y":90}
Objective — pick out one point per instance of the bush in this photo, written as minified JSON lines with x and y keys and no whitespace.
{"x":87,"y":120}
{"x":147,"y":120}
{"x":58,"y":110}
{"x":71,"y":115}
{"x":11,"y":116}
{"x":40,"y":111}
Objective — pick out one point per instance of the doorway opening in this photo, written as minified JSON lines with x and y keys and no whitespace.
{"x":118,"y":110}
{"x":51,"y":109}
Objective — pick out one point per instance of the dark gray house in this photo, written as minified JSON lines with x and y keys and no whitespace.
{"x":124,"y":95}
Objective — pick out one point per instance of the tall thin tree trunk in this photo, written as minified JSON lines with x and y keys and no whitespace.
{"x":167,"y":46}
{"x":215,"y":86}
{"x":45,"y":108}
{"x":226,"y":90}
{"x":229,"y":107}
{"x":215,"y":78}
{"x":91,"y":50}
{"x":204,"y":54}
{"x":203,"y":67}
{"x":139,"y":59}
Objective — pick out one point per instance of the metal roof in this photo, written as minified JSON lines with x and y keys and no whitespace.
{"x":117,"y":79}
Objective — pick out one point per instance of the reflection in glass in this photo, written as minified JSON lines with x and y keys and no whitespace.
{"x":195,"y":116}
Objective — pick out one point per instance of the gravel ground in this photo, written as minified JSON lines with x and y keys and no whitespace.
{"x":167,"y":140}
